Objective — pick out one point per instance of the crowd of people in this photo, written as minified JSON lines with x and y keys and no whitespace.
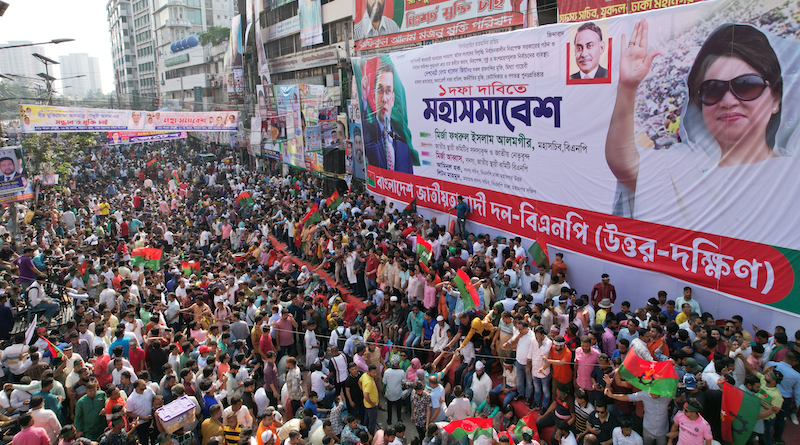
{"x":266,"y":323}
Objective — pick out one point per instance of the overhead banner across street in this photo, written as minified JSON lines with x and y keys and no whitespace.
{"x":51,"y":119}
{"x":385,"y":23}
{"x":665,"y":141}
{"x":134,"y":137}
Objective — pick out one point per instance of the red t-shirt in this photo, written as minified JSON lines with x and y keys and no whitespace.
{"x":265,"y":344}
{"x":136,"y":356}
{"x":100,"y":374}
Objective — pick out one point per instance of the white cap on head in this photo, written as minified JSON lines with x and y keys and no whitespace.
{"x":479,"y":365}
{"x":440,"y":318}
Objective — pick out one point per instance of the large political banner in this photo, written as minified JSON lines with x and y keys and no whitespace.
{"x":14,"y":184}
{"x":385,"y":23}
{"x":52,"y":119}
{"x":665,"y":140}
{"x":310,"y":13}
{"x":133,"y":137}
{"x":572,"y":11}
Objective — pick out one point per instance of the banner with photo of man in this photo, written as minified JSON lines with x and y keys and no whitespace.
{"x":134,"y":137}
{"x":14,"y":184}
{"x":53,"y":119}
{"x":386,"y":23}
{"x":310,"y":15}
{"x":664,"y":141}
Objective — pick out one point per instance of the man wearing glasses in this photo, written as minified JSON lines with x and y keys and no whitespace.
{"x":384,"y":147}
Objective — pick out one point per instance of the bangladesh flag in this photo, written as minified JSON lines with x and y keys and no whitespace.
{"x":538,"y":252}
{"x":190,"y":266}
{"x":313,"y":215}
{"x":468,"y":293}
{"x":334,"y":200}
{"x":739,"y":414}
{"x":411,"y":208}
{"x":424,"y":250}
{"x":528,"y":421}
{"x":146,"y":257}
{"x":54,"y":351}
{"x":84,"y":272}
{"x":473,"y":427}
{"x":245,"y":199}
{"x":657,"y":378}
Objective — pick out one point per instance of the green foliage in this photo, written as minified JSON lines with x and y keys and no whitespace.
{"x":11,"y":95}
{"x":46,"y":154}
{"x":215,"y":35}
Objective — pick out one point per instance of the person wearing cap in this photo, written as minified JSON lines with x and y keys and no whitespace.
{"x":604,"y":306}
{"x":603,"y":289}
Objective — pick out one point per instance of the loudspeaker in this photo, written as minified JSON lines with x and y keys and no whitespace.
{"x":333,"y":161}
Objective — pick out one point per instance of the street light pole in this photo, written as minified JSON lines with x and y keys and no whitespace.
{"x":54,"y":41}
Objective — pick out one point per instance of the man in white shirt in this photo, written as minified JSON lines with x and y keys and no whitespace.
{"x":460,"y":408}
{"x":140,"y":405}
{"x":542,"y":277}
{"x":687,"y":298}
{"x":439,"y":337}
{"x":522,"y":341}
{"x":481,"y":383}
{"x":44,"y":418}
{"x":624,"y":434}
{"x":540,"y":348}
{"x":242,"y":414}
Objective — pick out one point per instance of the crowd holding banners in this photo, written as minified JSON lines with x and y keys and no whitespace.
{"x":280,"y":329}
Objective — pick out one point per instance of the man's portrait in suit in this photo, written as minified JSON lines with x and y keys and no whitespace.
{"x":588,"y":49}
{"x":385,"y":147}
{"x":13,"y":181}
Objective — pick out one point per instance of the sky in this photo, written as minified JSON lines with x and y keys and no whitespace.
{"x":44,"y":20}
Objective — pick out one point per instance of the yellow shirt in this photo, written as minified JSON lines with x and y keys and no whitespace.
{"x":476,"y":326}
{"x":369,"y":389}
{"x":681,"y":317}
{"x":211,"y":428}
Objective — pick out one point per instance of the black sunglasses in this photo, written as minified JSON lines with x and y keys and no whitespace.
{"x":746,"y":87}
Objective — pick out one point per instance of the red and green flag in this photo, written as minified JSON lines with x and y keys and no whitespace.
{"x":411,"y":208}
{"x":54,"y":351}
{"x":657,"y":378}
{"x":189,"y":267}
{"x":424,"y":250}
{"x":473,"y":427}
{"x":468,"y":293}
{"x":151,"y":162}
{"x":84,"y":272}
{"x":528,"y":421}
{"x":175,"y":177}
{"x":313,"y":215}
{"x":147,"y":257}
{"x":739,"y":414}
{"x":334,"y":200}
{"x":538,"y":252}
{"x":245,"y":199}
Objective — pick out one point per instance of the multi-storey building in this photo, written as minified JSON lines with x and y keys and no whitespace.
{"x":80,"y":64}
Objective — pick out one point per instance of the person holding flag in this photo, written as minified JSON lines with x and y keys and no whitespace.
{"x":656,"y":412}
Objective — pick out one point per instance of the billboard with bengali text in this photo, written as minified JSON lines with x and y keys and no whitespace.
{"x":53,"y":119}
{"x":134,"y":137}
{"x":386,"y":23}
{"x":572,"y":11}
{"x":664,"y":141}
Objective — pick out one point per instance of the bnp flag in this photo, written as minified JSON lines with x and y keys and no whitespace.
{"x":473,"y":427}
{"x":411,"y":208}
{"x":152,"y":161}
{"x":528,"y":421}
{"x":468,"y":293}
{"x":424,"y":250}
{"x":146,"y":257}
{"x":54,"y":351}
{"x":313,"y":215}
{"x":245,"y":199}
{"x":189,"y":267}
{"x":657,"y":378}
{"x":84,"y":272}
{"x":739,"y":414}
{"x":334,"y":200}
{"x":175,"y":177}
{"x":538,"y":252}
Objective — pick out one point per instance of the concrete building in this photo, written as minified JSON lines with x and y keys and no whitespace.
{"x":123,"y":49}
{"x":142,"y":36}
{"x":79,"y":64}
{"x":20,"y":61}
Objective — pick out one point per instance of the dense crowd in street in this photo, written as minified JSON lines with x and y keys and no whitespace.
{"x":278,"y":325}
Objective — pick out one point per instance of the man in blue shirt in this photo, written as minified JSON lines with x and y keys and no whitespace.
{"x":462,"y":208}
{"x":789,"y":388}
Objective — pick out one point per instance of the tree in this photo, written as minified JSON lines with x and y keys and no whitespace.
{"x":215,"y":35}
{"x":47,"y":154}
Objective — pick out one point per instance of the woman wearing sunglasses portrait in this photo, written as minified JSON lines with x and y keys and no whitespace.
{"x":709,"y":180}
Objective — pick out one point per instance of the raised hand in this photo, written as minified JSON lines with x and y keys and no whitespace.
{"x":635,"y":61}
